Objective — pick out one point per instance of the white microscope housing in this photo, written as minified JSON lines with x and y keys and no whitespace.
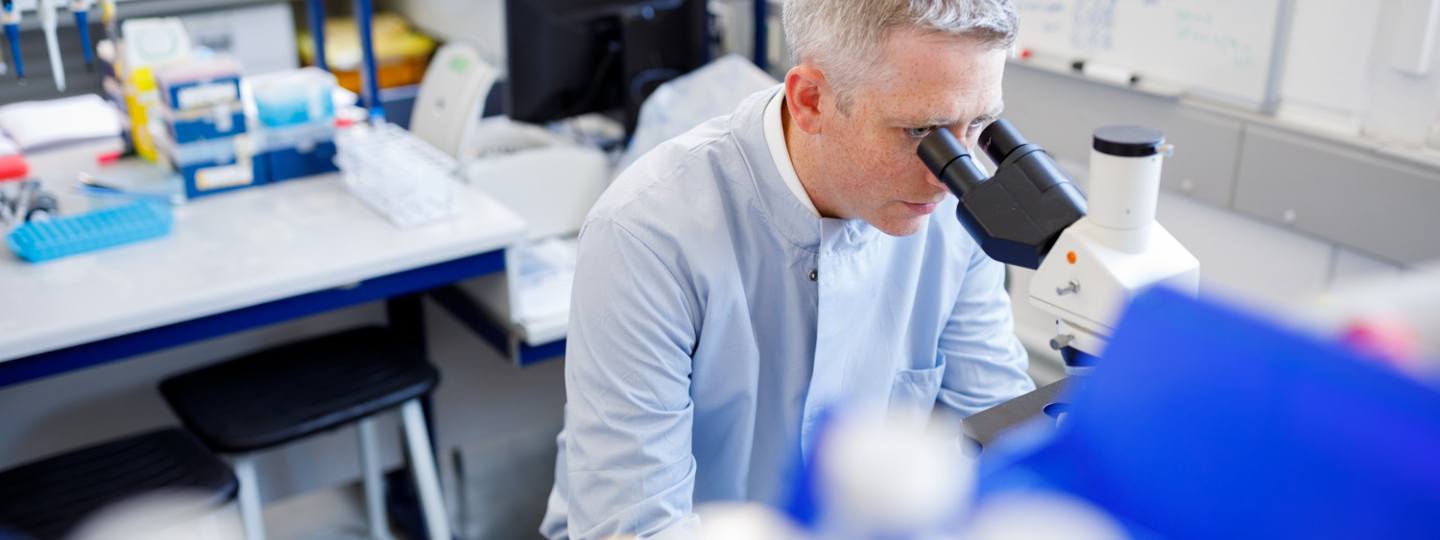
{"x":1117,"y":249}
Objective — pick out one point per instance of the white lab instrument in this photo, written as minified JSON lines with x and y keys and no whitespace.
{"x":1030,"y":215}
{"x":1113,"y":252}
{"x":152,"y":42}
{"x":452,"y":97}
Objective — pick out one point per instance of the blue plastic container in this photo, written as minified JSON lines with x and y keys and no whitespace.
{"x":216,"y":166}
{"x":38,"y":241}
{"x":1204,"y":422}
{"x":214,"y":123}
{"x":292,"y":98}
{"x":300,"y":150}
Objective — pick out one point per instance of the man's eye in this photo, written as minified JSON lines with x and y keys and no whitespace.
{"x":919,"y":132}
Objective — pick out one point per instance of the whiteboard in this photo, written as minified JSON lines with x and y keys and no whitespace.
{"x":1223,"y":49}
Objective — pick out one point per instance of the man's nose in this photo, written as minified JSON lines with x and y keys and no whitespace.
{"x":929,"y":176}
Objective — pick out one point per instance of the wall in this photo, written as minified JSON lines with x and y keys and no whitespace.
{"x":1341,"y":73}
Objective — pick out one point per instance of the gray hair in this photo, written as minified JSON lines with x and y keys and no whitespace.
{"x":844,"y":37}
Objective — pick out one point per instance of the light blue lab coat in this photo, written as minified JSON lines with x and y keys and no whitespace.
{"x":701,"y":351}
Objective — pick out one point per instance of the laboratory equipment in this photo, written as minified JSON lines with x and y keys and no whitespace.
{"x":13,"y":167}
{"x":38,"y":241}
{"x":369,"y":74}
{"x":315,"y":12}
{"x":201,"y":99}
{"x":10,"y":18}
{"x":197,"y":84}
{"x":877,"y":473}
{"x":211,"y":166}
{"x":289,"y":98}
{"x":27,"y":202}
{"x":569,"y":57}
{"x":148,"y":43}
{"x":88,"y":184}
{"x":296,"y":114}
{"x":299,"y":150}
{"x":1248,"y":428}
{"x":107,"y":18}
{"x":1029,"y":210}
{"x":81,"y":10}
{"x":403,"y":178}
{"x":452,"y":97}
{"x":48,"y":23}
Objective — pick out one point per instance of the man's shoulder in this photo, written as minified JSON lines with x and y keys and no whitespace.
{"x":680,"y":183}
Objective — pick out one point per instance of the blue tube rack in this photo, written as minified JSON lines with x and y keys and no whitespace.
{"x":39,"y":241}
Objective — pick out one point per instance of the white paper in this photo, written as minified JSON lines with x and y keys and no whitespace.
{"x":37,"y":124}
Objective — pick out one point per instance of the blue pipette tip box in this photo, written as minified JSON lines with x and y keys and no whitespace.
{"x":59,"y":237}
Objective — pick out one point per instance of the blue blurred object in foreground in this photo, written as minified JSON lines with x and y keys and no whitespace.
{"x":1204,"y":422}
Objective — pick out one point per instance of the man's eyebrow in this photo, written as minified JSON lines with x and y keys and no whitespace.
{"x":990,"y":116}
{"x":994,"y":112}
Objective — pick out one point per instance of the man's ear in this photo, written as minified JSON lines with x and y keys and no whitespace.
{"x":804,"y":86}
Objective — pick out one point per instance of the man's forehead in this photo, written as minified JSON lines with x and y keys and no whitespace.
{"x":928,"y":78}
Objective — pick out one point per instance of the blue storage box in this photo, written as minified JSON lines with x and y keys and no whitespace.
{"x":209,"y":123}
{"x":199,"y":84}
{"x":219,"y":165}
{"x":299,"y":151}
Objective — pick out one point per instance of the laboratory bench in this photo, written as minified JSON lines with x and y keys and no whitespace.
{"x":232,"y":262}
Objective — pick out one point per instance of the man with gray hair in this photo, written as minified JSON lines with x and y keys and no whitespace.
{"x":740,"y":279}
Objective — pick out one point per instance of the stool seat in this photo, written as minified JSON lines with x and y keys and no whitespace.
{"x":285,"y":393}
{"x":48,"y":498}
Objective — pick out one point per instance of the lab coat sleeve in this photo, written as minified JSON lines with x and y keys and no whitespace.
{"x":628,"y":459}
{"x":984,"y":362}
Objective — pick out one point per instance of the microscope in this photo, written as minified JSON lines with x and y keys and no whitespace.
{"x":1089,"y":261}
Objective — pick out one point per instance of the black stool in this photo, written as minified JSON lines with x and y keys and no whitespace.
{"x":48,"y":498}
{"x":272,"y":397}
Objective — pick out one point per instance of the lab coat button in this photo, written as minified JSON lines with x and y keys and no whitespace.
{"x":814,"y":275}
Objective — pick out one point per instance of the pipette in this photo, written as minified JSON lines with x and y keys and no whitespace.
{"x":81,"y":10}
{"x":48,"y":23}
{"x":10,"y":17}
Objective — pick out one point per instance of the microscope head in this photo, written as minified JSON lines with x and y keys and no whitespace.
{"x":1016,"y":215}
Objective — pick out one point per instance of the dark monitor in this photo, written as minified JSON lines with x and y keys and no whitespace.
{"x":570,"y":57}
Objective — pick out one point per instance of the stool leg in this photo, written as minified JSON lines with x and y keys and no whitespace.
{"x":250,"y":509}
{"x":374,"y":481}
{"x":422,"y":465}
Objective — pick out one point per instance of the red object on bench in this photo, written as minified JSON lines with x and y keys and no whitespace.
{"x":13,"y":167}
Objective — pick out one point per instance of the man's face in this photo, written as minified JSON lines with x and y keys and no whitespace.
{"x":869,"y":168}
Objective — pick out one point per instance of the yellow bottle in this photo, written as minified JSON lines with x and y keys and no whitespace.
{"x":141,"y":98}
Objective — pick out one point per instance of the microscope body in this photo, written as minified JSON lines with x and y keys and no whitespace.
{"x":1090,"y":256}
{"x":1117,"y":249}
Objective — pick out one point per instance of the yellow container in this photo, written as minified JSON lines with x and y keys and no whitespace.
{"x":141,"y":98}
{"x":401,"y":53}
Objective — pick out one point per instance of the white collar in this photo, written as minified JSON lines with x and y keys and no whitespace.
{"x":775,"y":139}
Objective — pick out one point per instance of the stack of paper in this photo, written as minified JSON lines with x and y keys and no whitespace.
{"x":40,"y":124}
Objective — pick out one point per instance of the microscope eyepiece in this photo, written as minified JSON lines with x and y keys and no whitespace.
{"x":1001,"y":138}
{"x":950,"y":161}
